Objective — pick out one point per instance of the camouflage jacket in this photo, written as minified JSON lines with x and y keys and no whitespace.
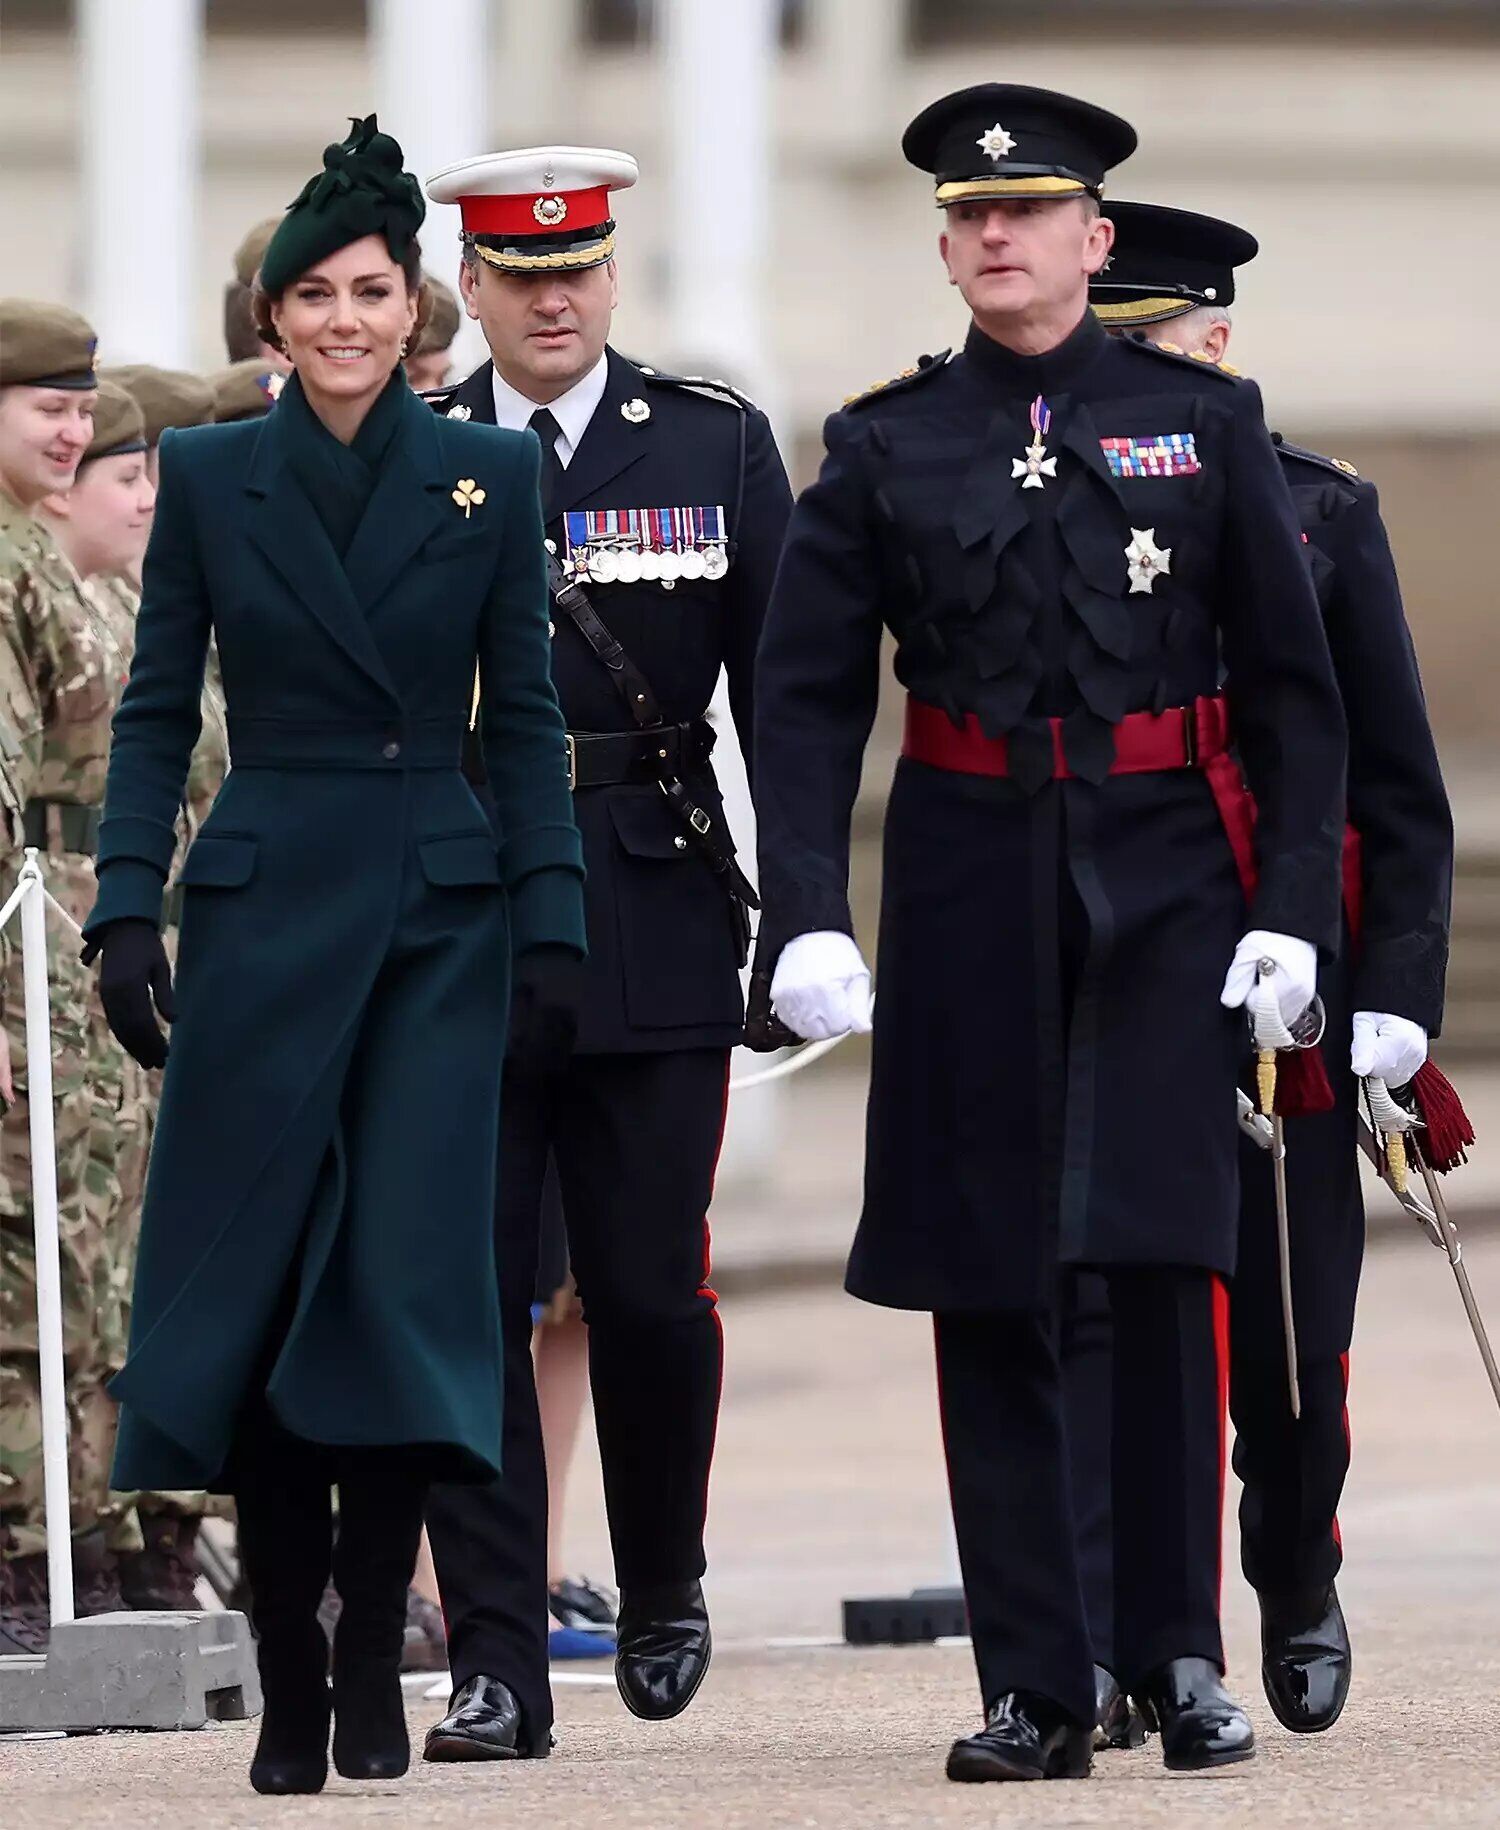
{"x":115,"y":603}
{"x":64,"y":661}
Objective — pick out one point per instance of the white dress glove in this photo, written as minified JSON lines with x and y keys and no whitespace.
{"x":821,"y":986}
{"x":1387,"y":1048}
{"x":1285,"y":995}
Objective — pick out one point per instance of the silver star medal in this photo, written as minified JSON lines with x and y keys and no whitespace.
{"x":995,"y":143}
{"x":1034,"y":464}
{"x":1147,"y":561}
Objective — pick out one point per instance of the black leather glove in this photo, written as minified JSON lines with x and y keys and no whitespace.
{"x":544,"y":1012}
{"x":135,"y":971}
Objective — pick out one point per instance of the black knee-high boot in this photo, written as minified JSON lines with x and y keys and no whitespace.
{"x":284,"y":1503}
{"x":380,"y":1527}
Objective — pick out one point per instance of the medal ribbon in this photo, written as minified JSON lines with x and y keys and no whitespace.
{"x":1041,"y":418}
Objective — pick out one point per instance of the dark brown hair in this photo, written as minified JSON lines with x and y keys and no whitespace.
{"x":411,"y":271}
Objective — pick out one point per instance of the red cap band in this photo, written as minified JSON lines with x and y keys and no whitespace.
{"x":535,"y":212}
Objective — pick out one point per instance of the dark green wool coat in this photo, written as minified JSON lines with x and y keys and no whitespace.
{"x":319,"y":1210}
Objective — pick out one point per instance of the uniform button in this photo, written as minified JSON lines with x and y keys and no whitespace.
{"x":391,"y":751}
{"x":680,"y":842}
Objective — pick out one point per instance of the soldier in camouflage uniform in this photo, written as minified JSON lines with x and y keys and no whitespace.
{"x":61,"y":698}
{"x":157,"y":1570}
{"x":71,"y":643}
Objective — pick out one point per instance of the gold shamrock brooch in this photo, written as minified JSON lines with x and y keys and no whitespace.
{"x":468,"y":495}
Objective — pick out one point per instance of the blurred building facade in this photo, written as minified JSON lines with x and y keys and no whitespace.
{"x":1360,"y":139}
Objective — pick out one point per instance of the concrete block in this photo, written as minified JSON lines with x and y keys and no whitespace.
{"x":134,"y":1670}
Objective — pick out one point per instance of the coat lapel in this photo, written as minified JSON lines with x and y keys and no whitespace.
{"x":284,"y":526}
{"x":611,"y":443}
{"x":403,"y":508}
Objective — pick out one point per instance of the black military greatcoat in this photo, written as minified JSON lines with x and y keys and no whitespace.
{"x":663,"y":969}
{"x":1053,"y":1073}
{"x":1397,"y":961}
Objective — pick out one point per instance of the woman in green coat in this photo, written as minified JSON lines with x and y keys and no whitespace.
{"x":314,"y":1302}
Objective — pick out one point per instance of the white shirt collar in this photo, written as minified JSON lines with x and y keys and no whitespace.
{"x":572,"y":410}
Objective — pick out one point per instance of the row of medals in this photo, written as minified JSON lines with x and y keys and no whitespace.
{"x":628,"y":565}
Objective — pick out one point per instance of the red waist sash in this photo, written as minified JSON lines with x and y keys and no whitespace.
{"x":1192,"y":736}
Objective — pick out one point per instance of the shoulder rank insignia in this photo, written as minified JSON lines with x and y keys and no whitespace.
{"x":1340,"y":466}
{"x":1173,"y":352}
{"x":921,"y":370}
{"x":710,"y":387}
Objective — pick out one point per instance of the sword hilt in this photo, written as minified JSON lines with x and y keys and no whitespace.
{"x":1395,"y":1160}
{"x":1265,"y":1079}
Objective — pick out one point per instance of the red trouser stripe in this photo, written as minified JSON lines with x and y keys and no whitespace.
{"x":706,"y":1289}
{"x":1221,"y":1369}
{"x":1338,"y":1536}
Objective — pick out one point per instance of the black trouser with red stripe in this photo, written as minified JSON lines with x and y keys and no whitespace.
{"x":1007,"y":1443}
{"x":636,"y":1142}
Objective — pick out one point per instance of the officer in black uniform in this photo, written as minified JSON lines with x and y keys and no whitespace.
{"x":1173,"y":275}
{"x":665,"y":506}
{"x":1063,"y":533}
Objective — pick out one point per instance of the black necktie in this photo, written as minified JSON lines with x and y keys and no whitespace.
{"x":548,"y":431}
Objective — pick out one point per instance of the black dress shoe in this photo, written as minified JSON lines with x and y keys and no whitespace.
{"x":1024,"y":1737}
{"x":662,"y":1648}
{"x":1201,"y":1724}
{"x":483,"y":1722}
{"x":1305,"y":1659}
{"x":1117,"y":1721}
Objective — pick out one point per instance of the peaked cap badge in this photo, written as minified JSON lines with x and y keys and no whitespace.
{"x":549,"y":211}
{"x":1146,"y":560}
{"x":995,"y":143}
{"x":467,"y":495}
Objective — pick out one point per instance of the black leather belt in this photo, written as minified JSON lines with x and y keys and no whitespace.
{"x":604,"y":759}
{"x":76,"y":826}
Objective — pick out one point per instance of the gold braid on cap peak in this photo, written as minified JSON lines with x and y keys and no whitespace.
{"x":961,"y":190}
{"x":1142,"y":311}
{"x":595,"y":255}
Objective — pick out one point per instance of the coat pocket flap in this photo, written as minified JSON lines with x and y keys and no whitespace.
{"x":647,"y":827}
{"x":460,"y":858}
{"x":219,"y":861}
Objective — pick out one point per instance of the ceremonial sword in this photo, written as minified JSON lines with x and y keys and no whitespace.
{"x":1439,"y":1226}
{"x":1434,"y":1218}
{"x":1306,"y":1032}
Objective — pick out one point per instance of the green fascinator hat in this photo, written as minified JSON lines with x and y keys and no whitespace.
{"x":361,"y":190}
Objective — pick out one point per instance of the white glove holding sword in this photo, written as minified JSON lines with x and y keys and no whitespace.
{"x":1274,"y":999}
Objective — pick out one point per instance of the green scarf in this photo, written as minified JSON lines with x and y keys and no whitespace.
{"x":339,"y":479}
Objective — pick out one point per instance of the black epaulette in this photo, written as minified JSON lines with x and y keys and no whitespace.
{"x":439,"y":399}
{"x":924,"y":368}
{"x":712,"y":388}
{"x":1339,"y":466}
{"x":1171,"y":352}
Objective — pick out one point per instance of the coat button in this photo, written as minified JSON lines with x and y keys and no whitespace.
{"x":680,"y":842}
{"x":391,"y":751}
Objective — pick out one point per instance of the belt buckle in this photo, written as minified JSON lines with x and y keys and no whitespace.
{"x":699,"y":820}
{"x":572,"y":749}
{"x":1190,"y":735}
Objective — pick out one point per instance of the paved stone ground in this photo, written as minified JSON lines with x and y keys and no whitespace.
{"x":829,"y":1484}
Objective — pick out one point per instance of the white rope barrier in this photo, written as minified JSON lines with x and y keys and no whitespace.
{"x":31,"y":897}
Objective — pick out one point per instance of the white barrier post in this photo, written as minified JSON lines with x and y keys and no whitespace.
{"x":49,"y":1320}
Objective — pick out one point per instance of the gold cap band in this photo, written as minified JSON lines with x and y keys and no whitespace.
{"x":960,"y":191}
{"x":507,"y":261}
{"x":1142,"y":311}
